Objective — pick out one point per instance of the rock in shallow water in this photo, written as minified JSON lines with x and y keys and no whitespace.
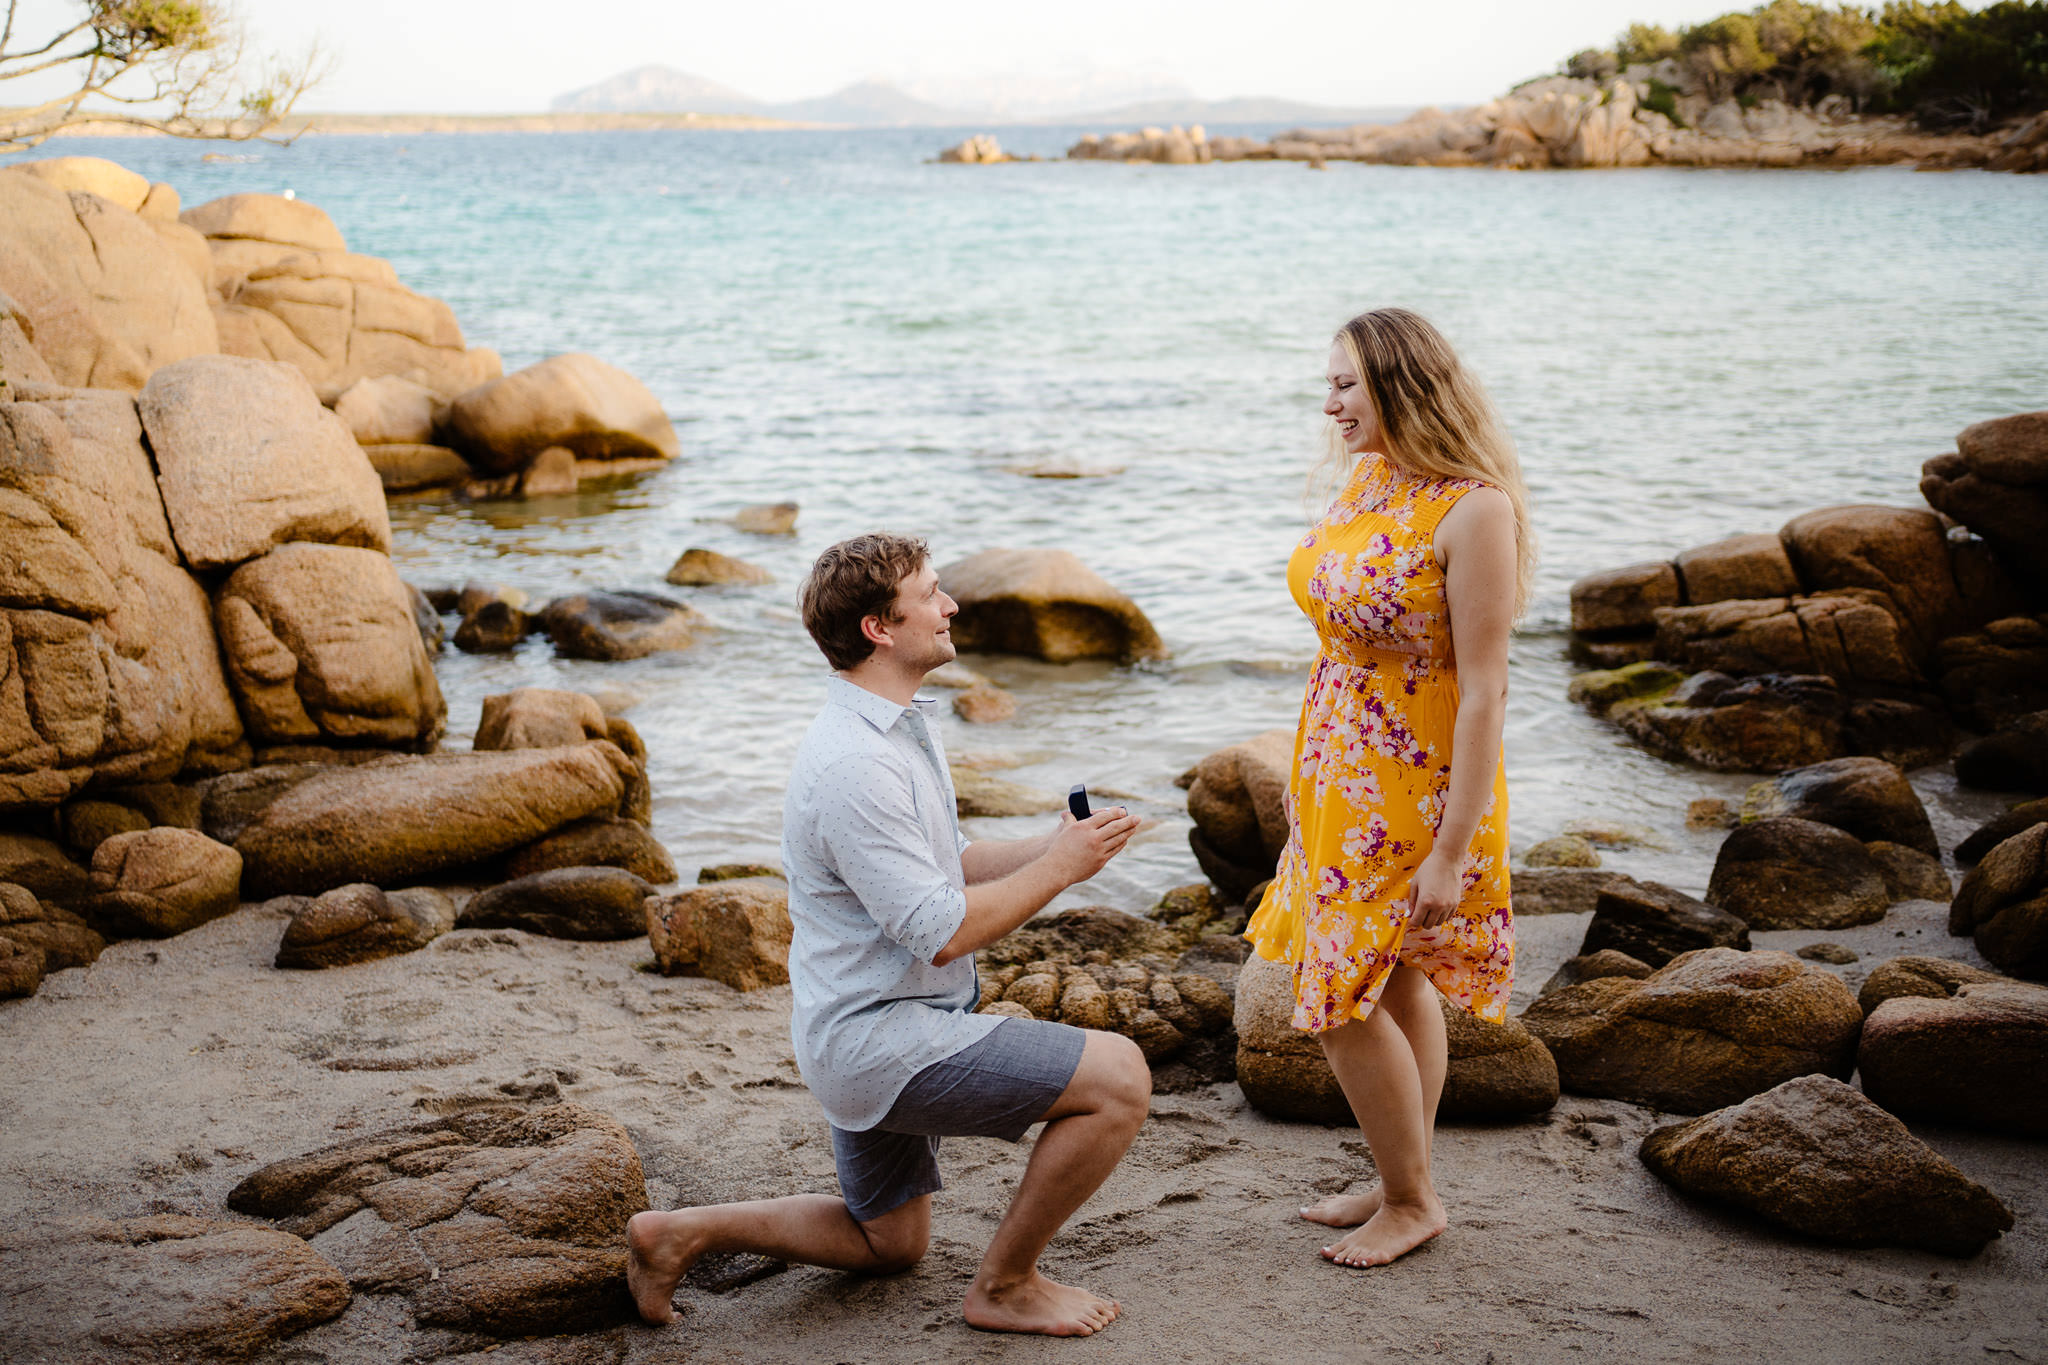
{"x":1711,"y":1028}
{"x":1046,"y":604}
{"x":490,"y":1220}
{"x":596,"y":410}
{"x":1974,"y":1059}
{"x":620,"y":625}
{"x":701,"y":568}
{"x":1866,"y":797}
{"x":1815,"y":1156}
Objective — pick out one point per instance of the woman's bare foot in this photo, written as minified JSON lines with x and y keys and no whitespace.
{"x":660,"y":1249}
{"x":1036,"y":1304}
{"x":1344,"y":1210}
{"x":1389,"y":1234}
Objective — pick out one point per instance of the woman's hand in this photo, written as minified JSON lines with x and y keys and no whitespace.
{"x":1435,"y":892}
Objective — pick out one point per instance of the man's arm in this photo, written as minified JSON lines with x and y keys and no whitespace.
{"x":988,"y":860}
{"x":1073,"y":853}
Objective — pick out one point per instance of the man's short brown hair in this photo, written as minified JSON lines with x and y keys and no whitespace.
{"x":852,"y":581}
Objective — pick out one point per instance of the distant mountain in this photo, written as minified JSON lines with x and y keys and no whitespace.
{"x":868,"y":104}
{"x":1070,"y":99}
{"x":656,"y":90}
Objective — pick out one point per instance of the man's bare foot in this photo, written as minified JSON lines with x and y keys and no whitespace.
{"x":1389,"y":1234}
{"x":660,"y":1249}
{"x":1036,"y":1304}
{"x":1344,"y":1210}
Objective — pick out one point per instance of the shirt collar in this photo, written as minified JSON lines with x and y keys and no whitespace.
{"x":876,"y":710}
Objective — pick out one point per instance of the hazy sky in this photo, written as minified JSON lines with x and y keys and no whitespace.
{"x":513,"y":55}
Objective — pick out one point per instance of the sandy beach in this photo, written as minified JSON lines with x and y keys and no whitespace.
{"x":155,"y":1080}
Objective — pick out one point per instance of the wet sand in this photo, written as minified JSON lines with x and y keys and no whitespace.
{"x":158,"y":1078}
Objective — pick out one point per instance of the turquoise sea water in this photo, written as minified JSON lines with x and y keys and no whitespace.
{"x":1681,"y":355}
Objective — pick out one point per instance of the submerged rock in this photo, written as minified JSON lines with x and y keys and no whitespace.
{"x":620,"y":625}
{"x":361,"y":923}
{"x":1815,"y":1156}
{"x":1709,"y":1029}
{"x":767,"y":519}
{"x":736,"y":931}
{"x":701,"y":568}
{"x":1783,"y":873}
{"x":491,"y":1220}
{"x":1046,"y":604}
{"x":1566,"y":850}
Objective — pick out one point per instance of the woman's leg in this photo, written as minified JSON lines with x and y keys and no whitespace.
{"x":1413,"y":1004}
{"x":1393,"y":1085}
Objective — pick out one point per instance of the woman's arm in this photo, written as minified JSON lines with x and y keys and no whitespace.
{"x":1475,"y":543}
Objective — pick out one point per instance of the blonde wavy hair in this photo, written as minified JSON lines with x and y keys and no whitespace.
{"x":1434,"y":419}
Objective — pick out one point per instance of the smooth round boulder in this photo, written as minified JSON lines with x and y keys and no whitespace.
{"x":601,"y":842}
{"x":1931,"y":978}
{"x":1867,"y":797}
{"x":577,"y":401}
{"x":154,"y":883}
{"x":620,"y":625}
{"x":361,"y":923}
{"x":403,"y":819}
{"x":700,"y":568}
{"x":1783,"y":873}
{"x":2003,"y":902}
{"x":1816,"y":1157}
{"x":1046,"y":604}
{"x":2009,"y":449}
{"x":1710,"y":1028}
{"x":1969,"y":1060}
{"x":1237,"y":799}
{"x":587,"y":903}
{"x":387,"y":409}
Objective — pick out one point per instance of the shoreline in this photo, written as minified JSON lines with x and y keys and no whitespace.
{"x":392,"y":125}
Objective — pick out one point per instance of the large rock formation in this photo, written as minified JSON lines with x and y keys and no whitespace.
{"x":108,"y":669}
{"x":1708,"y":1029}
{"x":1047,"y":604}
{"x":490,"y":1220}
{"x":322,"y":648}
{"x":108,"y":298}
{"x":1495,"y":1071}
{"x":248,"y":460}
{"x":1237,"y":798}
{"x":1972,"y":1059}
{"x":577,"y":402}
{"x":1997,"y":485}
{"x":404,"y":818}
{"x":1815,"y":1156}
{"x":289,"y":290}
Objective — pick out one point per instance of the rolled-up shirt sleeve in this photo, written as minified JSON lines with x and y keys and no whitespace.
{"x":878,"y":846}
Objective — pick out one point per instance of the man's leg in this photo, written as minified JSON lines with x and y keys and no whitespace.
{"x":1411,"y":1000}
{"x":1087,"y":1131}
{"x":815,"y":1229}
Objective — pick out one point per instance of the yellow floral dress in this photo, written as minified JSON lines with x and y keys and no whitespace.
{"x":1373,"y":764}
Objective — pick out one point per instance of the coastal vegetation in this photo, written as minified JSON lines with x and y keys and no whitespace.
{"x":167,"y":66}
{"x":1947,"y":66}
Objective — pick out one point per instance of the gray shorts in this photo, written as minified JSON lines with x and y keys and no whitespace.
{"x":996,"y":1088}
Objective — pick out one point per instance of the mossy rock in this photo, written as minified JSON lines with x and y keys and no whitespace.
{"x":1603,"y":689}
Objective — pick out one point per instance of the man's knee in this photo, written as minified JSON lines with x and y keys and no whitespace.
{"x":1126,"y":1079}
{"x":897,"y":1240}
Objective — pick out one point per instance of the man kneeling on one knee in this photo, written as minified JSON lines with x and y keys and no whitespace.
{"x":889,"y":904}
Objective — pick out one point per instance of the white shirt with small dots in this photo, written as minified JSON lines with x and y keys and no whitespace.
{"x":871,"y":844}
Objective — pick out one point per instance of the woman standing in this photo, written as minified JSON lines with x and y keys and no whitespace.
{"x":1394,"y":883}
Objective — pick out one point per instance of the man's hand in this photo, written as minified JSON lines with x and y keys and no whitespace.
{"x":1435,"y":892}
{"x":1083,"y":848}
